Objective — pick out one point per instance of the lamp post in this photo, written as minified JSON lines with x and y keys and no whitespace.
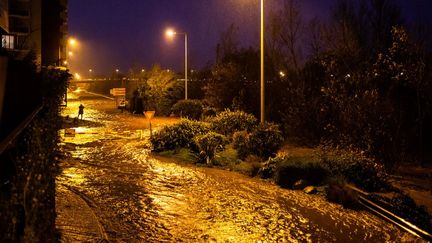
{"x":171,"y":33}
{"x":262,"y":65}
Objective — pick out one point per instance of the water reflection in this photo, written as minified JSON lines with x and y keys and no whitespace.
{"x":143,"y":199}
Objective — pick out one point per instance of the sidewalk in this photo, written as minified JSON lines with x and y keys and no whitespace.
{"x":76,"y":221}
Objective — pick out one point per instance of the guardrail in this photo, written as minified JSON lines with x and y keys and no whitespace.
{"x":390,"y":216}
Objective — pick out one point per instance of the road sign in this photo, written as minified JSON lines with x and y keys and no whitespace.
{"x":69,"y":132}
{"x":121,"y":101}
{"x":149,"y":114}
{"x":119,"y":91}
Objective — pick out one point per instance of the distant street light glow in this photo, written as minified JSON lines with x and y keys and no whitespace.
{"x":282,"y":74}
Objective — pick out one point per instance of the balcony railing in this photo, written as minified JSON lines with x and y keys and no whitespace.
{"x":19,"y":13}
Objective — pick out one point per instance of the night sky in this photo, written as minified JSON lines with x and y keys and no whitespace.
{"x":126,"y":33}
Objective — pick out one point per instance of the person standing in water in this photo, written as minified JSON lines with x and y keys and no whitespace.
{"x":81,"y":111}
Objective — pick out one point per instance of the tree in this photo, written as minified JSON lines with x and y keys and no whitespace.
{"x":286,"y":31}
{"x":234,"y":78}
{"x":399,"y":74}
{"x":162,"y":90}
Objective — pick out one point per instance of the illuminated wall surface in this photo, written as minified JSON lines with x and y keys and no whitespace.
{"x":4,"y":20}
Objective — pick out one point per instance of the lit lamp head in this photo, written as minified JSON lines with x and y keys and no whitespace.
{"x":72,"y":41}
{"x":170,"y":33}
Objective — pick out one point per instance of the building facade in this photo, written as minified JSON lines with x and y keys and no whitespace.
{"x":38,"y":26}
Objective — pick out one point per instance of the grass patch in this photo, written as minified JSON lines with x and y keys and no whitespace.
{"x":182,"y":155}
{"x":227,"y":157}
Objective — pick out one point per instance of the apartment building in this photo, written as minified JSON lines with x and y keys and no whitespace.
{"x":39,"y":26}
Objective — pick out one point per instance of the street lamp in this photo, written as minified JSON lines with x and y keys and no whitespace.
{"x":71,"y":43}
{"x":170,"y":33}
{"x":262,"y":64}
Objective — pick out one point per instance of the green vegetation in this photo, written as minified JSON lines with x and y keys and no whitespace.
{"x":191,"y":109}
{"x":356,"y":168}
{"x":288,"y":170}
{"x":263,"y":141}
{"x":209,"y":143}
{"x":228,"y":122}
{"x":178,"y":136}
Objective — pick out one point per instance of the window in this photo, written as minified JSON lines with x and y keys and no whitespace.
{"x":8,"y":41}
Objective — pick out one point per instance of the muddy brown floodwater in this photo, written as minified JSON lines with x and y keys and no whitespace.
{"x":138,"y":198}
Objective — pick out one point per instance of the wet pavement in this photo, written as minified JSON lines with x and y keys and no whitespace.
{"x":112,"y":189}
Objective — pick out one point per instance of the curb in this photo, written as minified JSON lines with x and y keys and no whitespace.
{"x":76,"y":221}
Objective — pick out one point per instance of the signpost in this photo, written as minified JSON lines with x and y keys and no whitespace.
{"x":149,"y":115}
{"x":69,"y":132}
{"x":120,"y":96}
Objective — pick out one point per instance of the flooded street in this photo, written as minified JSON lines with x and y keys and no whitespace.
{"x":135,"y":197}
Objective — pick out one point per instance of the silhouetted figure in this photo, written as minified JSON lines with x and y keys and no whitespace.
{"x":81,"y":111}
{"x":133,"y":101}
{"x":139,"y":107}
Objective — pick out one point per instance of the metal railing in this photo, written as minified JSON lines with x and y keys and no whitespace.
{"x":386,"y":214}
{"x":8,"y":140}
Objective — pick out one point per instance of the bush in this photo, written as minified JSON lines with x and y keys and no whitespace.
{"x":192,"y":109}
{"x":356,"y":168}
{"x":228,"y":122}
{"x":209,"y":111}
{"x":265,"y":140}
{"x":178,"y":135}
{"x":209,"y":143}
{"x":338,"y":192}
{"x":241,"y":144}
{"x":288,"y":170}
{"x":250,"y":166}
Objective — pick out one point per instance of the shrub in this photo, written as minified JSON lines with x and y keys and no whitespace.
{"x":191,"y":109}
{"x":228,"y":122}
{"x":338,"y":192}
{"x":241,"y":144}
{"x":356,"y":168}
{"x":265,"y":140}
{"x":209,"y":111}
{"x":178,"y":135}
{"x":288,"y":170}
{"x":250,"y":166}
{"x":209,"y":143}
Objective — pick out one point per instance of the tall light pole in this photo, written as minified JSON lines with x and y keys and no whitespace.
{"x":171,"y":33}
{"x":262,"y":65}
